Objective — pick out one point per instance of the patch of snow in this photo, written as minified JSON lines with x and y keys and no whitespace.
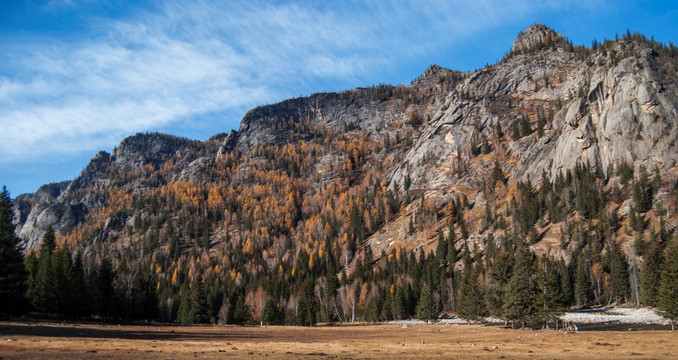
{"x":619,"y":315}
{"x":615,"y":315}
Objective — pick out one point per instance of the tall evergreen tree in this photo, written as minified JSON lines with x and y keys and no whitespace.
{"x":566,"y":282}
{"x":651,"y":274}
{"x":521,"y":290}
{"x":470,"y":304}
{"x":198,"y":309}
{"x":13,"y":273}
{"x":499,"y":274}
{"x":105,"y":300}
{"x":44,"y":291}
{"x":269,"y":314}
{"x":550,"y":298}
{"x":241,"y":311}
{"x":668,"y":286}
{"x":427,"y":308}
{"x":65,"y":303}
{"x":78,"y":290}
{"x":582,"y":285}
{"x":619,"y":275}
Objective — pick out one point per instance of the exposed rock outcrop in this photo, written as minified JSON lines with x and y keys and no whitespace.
{"x":544,"y":108}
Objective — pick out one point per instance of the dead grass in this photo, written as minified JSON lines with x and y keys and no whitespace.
{"x":92,"y":341}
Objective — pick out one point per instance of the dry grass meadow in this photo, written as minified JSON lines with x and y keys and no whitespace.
{"x":95,"y":341}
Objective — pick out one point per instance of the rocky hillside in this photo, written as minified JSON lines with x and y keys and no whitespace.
{"x":548,"y":147}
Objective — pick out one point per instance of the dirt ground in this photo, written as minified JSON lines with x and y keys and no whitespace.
{"x":94,"y":341}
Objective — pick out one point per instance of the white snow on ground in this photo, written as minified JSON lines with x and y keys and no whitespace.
{"x":617,"y":315}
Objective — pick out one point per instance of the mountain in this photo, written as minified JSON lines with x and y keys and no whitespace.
{"x":553,"y":146}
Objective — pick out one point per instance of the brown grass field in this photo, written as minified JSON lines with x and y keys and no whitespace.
{"x":95,"y":341}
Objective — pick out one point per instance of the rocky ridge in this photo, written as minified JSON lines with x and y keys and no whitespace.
{"x":581,"y":105}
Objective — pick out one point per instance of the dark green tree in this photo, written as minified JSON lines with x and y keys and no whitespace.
{"x":582,"y":284}
{"x":198,"y":313}
{"x":184,"y":312}
{"x":521,"y":291}
{"x":499,"y":273}
{"x":668,"y":286}
{"x":470,"y":303}
{"x":269,"y":314}
{"x":65,"y":302}
{"x":241,"y":311}
{"x":619,"y":275}
{"x":76,"y":279}
{"x":427,"y":308}
{"x":13,"y":275}
{"x":651,"y":274}
{"x":550,"y":298}
{"x":43,"y":295}
{"x":105,"y":300}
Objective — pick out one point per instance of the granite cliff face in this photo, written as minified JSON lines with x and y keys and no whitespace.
{"x":609,"y":107}
{"x":544,"y":108}
{"x":65,"y":205}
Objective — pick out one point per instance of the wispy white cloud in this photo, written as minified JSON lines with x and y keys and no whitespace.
{"x":166,"y":64}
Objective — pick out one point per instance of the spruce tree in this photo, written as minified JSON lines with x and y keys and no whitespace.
{"x":269,"y":314}
{"x":619,"y":275}
{"x":500,"y":271}
{"x":427,"y":308}
{"x":198,"y":304}
{"x":65,"y":304}
{"x":184,"y":313}
{"x":78,"y":289}
{"x":44,"y":292}
{"x":13,"y":274}
{"x":550,"y":298}
{"x":521,"y":290}
{"x":105,"y":300}
{"x":582,"y":284}
{"x":470,"y":304}
{"x":566,"y":282}
{"x":32,"y":269}
{"x":651,"y":274}
{"x":668,"y":287}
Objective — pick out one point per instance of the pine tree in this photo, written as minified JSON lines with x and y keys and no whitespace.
{"x":269,"y":314}
{"x":550,"y":298}
{"x":668,"y":287}
{"x":78,"y":289}
{"x":65,"y":304}
{"x":184,"y":312}
{"x":470,"y":304}
{"x":44,"y":292}
{"x":13,"y":275}
{"x":427,"y":309}
{"x":582,"y":285}
{"x":32,"y":269}
{"x":500,"y":271}
{"x":198,"y":304}
{"x":566,"y":282}
{"x":619,"y":274}
{"x":105,"y":301}
{"x":241,"y":311}
{"x":521,"y":290}
{"x":651,"y":274}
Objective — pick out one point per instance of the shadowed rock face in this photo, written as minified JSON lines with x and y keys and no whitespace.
{"x":616,"y":103}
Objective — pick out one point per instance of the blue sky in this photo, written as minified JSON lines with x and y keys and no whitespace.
{"x":78,"y":76}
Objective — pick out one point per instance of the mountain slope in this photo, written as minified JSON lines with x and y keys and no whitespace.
{"x":550,"y":148}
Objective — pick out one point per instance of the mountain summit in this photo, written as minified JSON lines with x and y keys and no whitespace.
{"x":537,"y":35}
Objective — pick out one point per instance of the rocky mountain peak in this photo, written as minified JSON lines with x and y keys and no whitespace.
{"x":535,"y":36}
{"x":154,"y":148}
